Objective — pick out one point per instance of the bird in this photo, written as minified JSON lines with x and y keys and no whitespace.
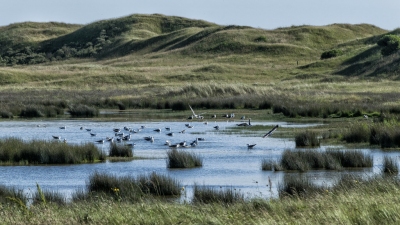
{"x":270,"y":132}
{"x":157,"y":130}
{"x":366,"y":116}
{"x":170,"y":134}
{"x":127,"y":137}
{"x":244,"y":124}
{"x":116,"y":130}
{"x":56,"y":137}
{"x":213,"y":116}
{"x":63,"y":127}
{"x":131,"y":145}
{"x":195,"y":115}
{"x":182,"y":131}
{"x":100,"y":141}
{"x":88,"y":129}
{"x":249,"y":146}
{"x":217,"y":127}
{"x":243,"y":117}
{"x":149,"y":138}
{"x":92,"y":134}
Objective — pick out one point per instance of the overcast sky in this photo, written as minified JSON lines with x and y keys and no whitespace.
{"x":267,"y":14}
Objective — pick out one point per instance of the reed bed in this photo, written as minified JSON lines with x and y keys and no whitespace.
{"x":299,"y":187}
{"x":303,"y":160}
{"x":120,"y":150}
{"x":17,"y":151}
{"x":390,"y":165}
{"x":183,"y":159}
{"x":207,"y":195}
{"x":128,"y":188}
{"x":307,"y":139}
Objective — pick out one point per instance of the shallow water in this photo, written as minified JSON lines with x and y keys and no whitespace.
{"x":227,"y":163}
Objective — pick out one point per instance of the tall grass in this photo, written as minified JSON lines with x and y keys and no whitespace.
{"x":207,"y":195}
{"x":299,"y":187}
{"x":390,"y":165}
{"x":304,"y":160}
{"x":307,"y":139}
{"x":128,"y":188}
{"x":83,"y":111}
{"x":183,"y":159}
{"x":120,"y":150}
{"x":17,"y":151}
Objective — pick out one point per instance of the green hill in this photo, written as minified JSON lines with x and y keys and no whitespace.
{"x":176,"y":37}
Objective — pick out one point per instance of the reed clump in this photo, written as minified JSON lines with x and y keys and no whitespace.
{"x":307,"y":139}
{"x":207,"y":195}
{"x":299,"y":187}
{"x":128,"y":188}
{"x":390,"y":165}
{"x":120,"y":150}
{"x":183,"y":159}
{"x":17,"y":151}
{"x":304,"y":160}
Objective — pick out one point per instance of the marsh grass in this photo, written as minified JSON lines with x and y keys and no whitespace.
{"x":10,"y":194}
{"x":304,"y":160}
{"x":207,"y":195}
{"x":269,"y":164}
{"x":307,"y":139}
{"x":390,"y":165}
{"x":128,"y":188}
{"x":83,"y":111}
{"x":159,"y":185}
{"x":183,"y":159}
{"x":49,"y":196}
{"x":17,"y":151}
{"x":120,"y":150}
{"x":301,"y":187}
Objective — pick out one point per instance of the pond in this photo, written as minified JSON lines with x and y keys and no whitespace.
{"x":227,"y":162}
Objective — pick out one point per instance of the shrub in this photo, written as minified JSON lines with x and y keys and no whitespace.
{"x":390,"y":44}
{"x":31,"y":112}
{"x":6,"y":114}
{"x":331,"y":53}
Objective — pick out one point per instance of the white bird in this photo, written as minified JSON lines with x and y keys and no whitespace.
{"x":195,"y":115}
{"x":270,"y":132}
{"x":366,"y":116}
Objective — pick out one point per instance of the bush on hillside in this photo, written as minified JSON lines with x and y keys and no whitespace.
{"x":331,"y":53}
{"x":390,"y":44}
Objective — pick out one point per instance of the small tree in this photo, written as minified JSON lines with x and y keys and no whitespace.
{"x":390,"y":44}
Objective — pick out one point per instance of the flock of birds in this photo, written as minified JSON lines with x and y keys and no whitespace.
{"x":121,"y":137}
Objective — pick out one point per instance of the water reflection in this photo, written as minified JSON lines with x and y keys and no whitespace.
{"x":226,"y":160}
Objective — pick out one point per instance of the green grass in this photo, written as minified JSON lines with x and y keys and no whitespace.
{"x":19,"y":152}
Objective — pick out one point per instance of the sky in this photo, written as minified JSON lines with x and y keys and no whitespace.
{"x":265,"y":14}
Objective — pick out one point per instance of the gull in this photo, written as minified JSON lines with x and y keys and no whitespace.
{"x":195,"y":115}
{"x":182,"y":131}
{"x":270,"y":132}
{"x":250,"y":146}
{"x":170,"y":134}
{"x":217,"y":127}
{"x":92,"y":134}
{"x":100,"y":141}
{"x":157,"y":130}
{"x":57,"y":137}
{"x":88,"y":129}
{"x":116,"y":130}
{"x":150,"y":138}
{"x":63,"y":127}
